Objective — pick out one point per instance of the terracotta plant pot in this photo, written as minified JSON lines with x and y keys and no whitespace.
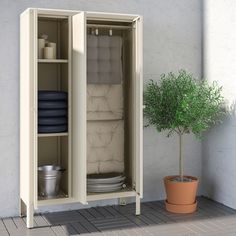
{"x":181,"y":196}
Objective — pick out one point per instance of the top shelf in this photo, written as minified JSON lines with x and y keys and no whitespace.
{"x":52,"y":61}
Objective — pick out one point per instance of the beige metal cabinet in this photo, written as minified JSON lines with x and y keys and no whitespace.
{"x":68,"y":72}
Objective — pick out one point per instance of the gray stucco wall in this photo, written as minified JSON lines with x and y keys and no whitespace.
{"x":172,"y":40}
{"x":219,"y":147}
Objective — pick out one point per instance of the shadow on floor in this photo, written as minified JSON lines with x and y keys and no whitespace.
{"x":211,"y":218}
{"x":113,"y":218}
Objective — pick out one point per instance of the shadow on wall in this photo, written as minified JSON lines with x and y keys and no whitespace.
{"x":219,"y":160}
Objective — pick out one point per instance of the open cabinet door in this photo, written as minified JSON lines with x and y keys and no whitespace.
{"x":28,"y":111}
{"x":79,"y":107}
{"x":138,"y":104}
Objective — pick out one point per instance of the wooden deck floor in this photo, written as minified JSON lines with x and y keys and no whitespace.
{"x":211,"y":218}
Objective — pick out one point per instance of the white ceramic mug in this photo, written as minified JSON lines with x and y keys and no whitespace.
{"x":54,"y":46}
{"x":48,"y":53}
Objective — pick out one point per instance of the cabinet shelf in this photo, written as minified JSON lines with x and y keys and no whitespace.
{"x":53,"y":134}
{"x":62,"y":198}
{"x":52,"y":61}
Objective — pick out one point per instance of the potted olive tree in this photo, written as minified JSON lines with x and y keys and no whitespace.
{"x":181,"y":104}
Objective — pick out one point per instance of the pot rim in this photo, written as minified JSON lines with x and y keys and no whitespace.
{"x":169,"y":177}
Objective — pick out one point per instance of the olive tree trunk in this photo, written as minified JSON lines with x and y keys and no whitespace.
{"x":181,"y":166}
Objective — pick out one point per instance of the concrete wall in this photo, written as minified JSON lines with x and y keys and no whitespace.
{"x":172,"y":40}
{"x":219,"y":147}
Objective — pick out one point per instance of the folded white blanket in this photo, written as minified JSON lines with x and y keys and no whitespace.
{"x":104,"y":102}
{"x":105,"y":146}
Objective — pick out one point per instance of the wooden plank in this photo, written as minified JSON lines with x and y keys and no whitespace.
{"x":112,"y":211}
{"x":136,"y":232}
{"x":95,"y":212}
{"x":104,"y":212}
{"x":219,"y":205}
{"x":153,"y":219}
{"x":169,"y":230}
{"x":214,"y":206}
{"x":215,"y":222}
{"x":80,"y":228}
{"x":2,"y":226}
{"x":40,"y":221}
{"x":46,"y":220}
{"x":195,"y":228}
{"x":124,"y":210}
{"x":33,"y":232}
{"x":226,"y":221}
{"x":63,"y":217}
{"x":210,"y":211}
{"x":231,"y":232}
{"x":3,"y":229}
{"x":69,"y":229}
{"x":4,"y":233}
{"x":138,"y":220}
{"x":58,"y":230}
{"x":9,"y":224}
{"x":113,"y":223}
{"x":86,"y":214}
{"x":89,"y":226}
{"x":108,"y":220}
{"x":19,"y":222}
{"x":130,"y":209}
{"x":163,"y":217}
{"x":117,"y":226}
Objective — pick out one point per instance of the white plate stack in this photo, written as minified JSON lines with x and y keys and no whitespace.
{"x":101,"y":183}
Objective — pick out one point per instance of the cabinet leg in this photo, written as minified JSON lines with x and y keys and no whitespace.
{"x":22,"y":208}
{"x":30,"y":216}
{"x":138,"y":205}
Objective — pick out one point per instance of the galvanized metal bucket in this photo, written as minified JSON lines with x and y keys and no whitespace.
{"x":49,"y":177}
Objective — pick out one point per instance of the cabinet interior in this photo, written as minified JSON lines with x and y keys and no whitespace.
{"x":57,"y":30}
{"x":126,"y":33}
{"x":55,"y":76}
{"x":54,"y":149}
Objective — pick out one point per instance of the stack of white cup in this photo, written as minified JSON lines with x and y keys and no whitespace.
{"x":46,"y":49}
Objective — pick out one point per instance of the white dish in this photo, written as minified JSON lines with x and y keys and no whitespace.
{"x":105,"y":178}
{"x":105,"y":185}
{"x":102,"y":189}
